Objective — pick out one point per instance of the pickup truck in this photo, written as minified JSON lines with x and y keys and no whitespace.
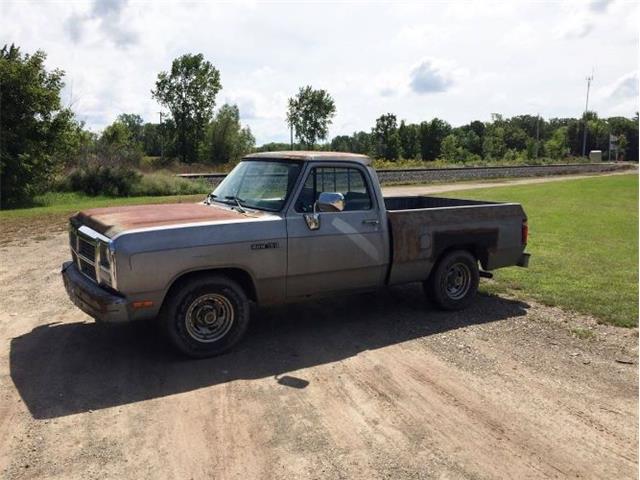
{"x":281,"y":227}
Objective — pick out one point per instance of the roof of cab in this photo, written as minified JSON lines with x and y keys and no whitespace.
{"x":308,"y":156}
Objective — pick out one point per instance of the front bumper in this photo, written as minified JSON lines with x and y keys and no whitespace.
{"x":96,"y":302}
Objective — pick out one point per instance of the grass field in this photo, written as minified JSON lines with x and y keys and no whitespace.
{"x":67,"y":203}
{"x":583,"y":237}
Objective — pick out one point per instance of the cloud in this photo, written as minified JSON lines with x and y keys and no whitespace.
{"x":599,"y":6}
{"x":246,"y":106}
{"x":577,"y":27}
{"x":427,"y":77}
{"x":107,"y":15}
{"x":625,"y":87}
{"x":582,"y":18}
{"x":387,"y":92}
{"x":262,"y":66}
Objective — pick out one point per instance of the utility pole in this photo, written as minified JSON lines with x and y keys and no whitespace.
{"x":586,"y":109}
{"x":291,"y":130}
{"x":161,"y":138}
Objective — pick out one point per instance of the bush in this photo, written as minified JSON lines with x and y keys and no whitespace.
{"x":124,"y":182}
{"x":155,"y":184}
{"x":103,"y":180}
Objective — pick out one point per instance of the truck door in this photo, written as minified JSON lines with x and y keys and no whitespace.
{"x":347,"y":250}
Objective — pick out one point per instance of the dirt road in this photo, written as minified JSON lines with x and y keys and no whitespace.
{"x":372,"y":386}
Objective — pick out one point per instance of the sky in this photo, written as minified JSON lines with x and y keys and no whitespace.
{"x":459,"y":61}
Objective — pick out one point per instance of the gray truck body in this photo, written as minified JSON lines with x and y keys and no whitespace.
{"x":275,"y":256}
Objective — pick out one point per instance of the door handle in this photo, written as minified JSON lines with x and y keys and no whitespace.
{"x":371,"y":221}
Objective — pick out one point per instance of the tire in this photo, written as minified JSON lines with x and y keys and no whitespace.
{"x":207,"y":316}
{"x":453,"y":283}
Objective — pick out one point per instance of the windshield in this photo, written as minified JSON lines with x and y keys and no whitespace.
{"x":263,"y":185}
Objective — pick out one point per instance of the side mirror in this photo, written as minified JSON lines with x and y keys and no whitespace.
{"x":330,"y":202}
{"x":327,"y":202}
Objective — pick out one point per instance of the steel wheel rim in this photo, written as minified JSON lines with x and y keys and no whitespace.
{"x":209,"y":318}
{"x":457,"y":281}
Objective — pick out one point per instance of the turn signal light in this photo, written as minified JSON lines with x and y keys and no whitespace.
{"x":142,"y":304}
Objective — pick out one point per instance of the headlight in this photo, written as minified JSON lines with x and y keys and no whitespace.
{"x":105,"y":261}
{"x":107,"y":267}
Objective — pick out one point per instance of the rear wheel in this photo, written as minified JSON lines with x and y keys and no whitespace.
{"x":454,"y":282}
{"x":206,"y":316}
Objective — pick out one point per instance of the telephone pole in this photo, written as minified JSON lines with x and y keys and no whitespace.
{"x":584,"y":118}
{"x":291,"y":131}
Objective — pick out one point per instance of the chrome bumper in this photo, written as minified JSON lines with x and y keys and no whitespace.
{"x":96,"y":302}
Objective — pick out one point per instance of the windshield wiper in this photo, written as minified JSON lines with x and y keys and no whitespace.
{"x":237,"y":200}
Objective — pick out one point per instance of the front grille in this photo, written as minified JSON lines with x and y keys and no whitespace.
{"x":83,"y":253}
{"x":86,"y":249}
{"x":88,"y":269}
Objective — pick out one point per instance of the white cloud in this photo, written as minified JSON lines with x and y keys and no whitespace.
{"x":430,"y":77}
{"x":625,"y":87}
{"x":106,"y":16}
{"x":474,"y":58}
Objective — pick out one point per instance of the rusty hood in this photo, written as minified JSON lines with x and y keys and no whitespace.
{"x":111,"y":221}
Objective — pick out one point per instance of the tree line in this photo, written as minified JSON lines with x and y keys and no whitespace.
{"x":40,"y":138}
{"x":522,"y":137}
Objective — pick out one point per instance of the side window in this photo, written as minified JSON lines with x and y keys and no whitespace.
{"x":348,"y":181}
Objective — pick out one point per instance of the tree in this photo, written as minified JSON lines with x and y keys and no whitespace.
{"x":310,"y":113}
{"x":409,"y":139}
{"x":450,"y":148}
{"x":189,"y":92}
{"x":361,"y":143}
{"x":117,"y":146}
{"x":386,"y":138}
{"x":342,"y":143}
{"x":627,"y":127}
{"x":134,"y":124}
{"x":152,"y":141}
{"x":36,"y":132}
{"x":431,"y":135}
{"x":226,"y":140}
{"x":623,"y":143}
{"x":469,"y":139}
{"x":453,"y":151}
{"x":558,"y":145}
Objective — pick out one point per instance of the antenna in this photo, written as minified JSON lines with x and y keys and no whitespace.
{"x":586,"y":109}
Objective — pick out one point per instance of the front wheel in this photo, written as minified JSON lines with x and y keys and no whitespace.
{"x":207,"y":316}
{"x":454,"y":282}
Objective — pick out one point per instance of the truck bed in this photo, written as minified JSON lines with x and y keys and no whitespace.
{"x":423,"y":227}
{"x":422,"y":202}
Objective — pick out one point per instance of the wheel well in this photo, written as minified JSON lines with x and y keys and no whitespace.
{"x":241,"y":277}
{"x":479,"y":252}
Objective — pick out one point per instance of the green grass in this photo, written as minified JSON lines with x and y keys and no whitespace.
{"x":583,"y":238}
{"x":69,"y":202}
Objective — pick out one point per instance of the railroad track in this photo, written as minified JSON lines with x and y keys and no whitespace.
{"x":426,"y":175}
